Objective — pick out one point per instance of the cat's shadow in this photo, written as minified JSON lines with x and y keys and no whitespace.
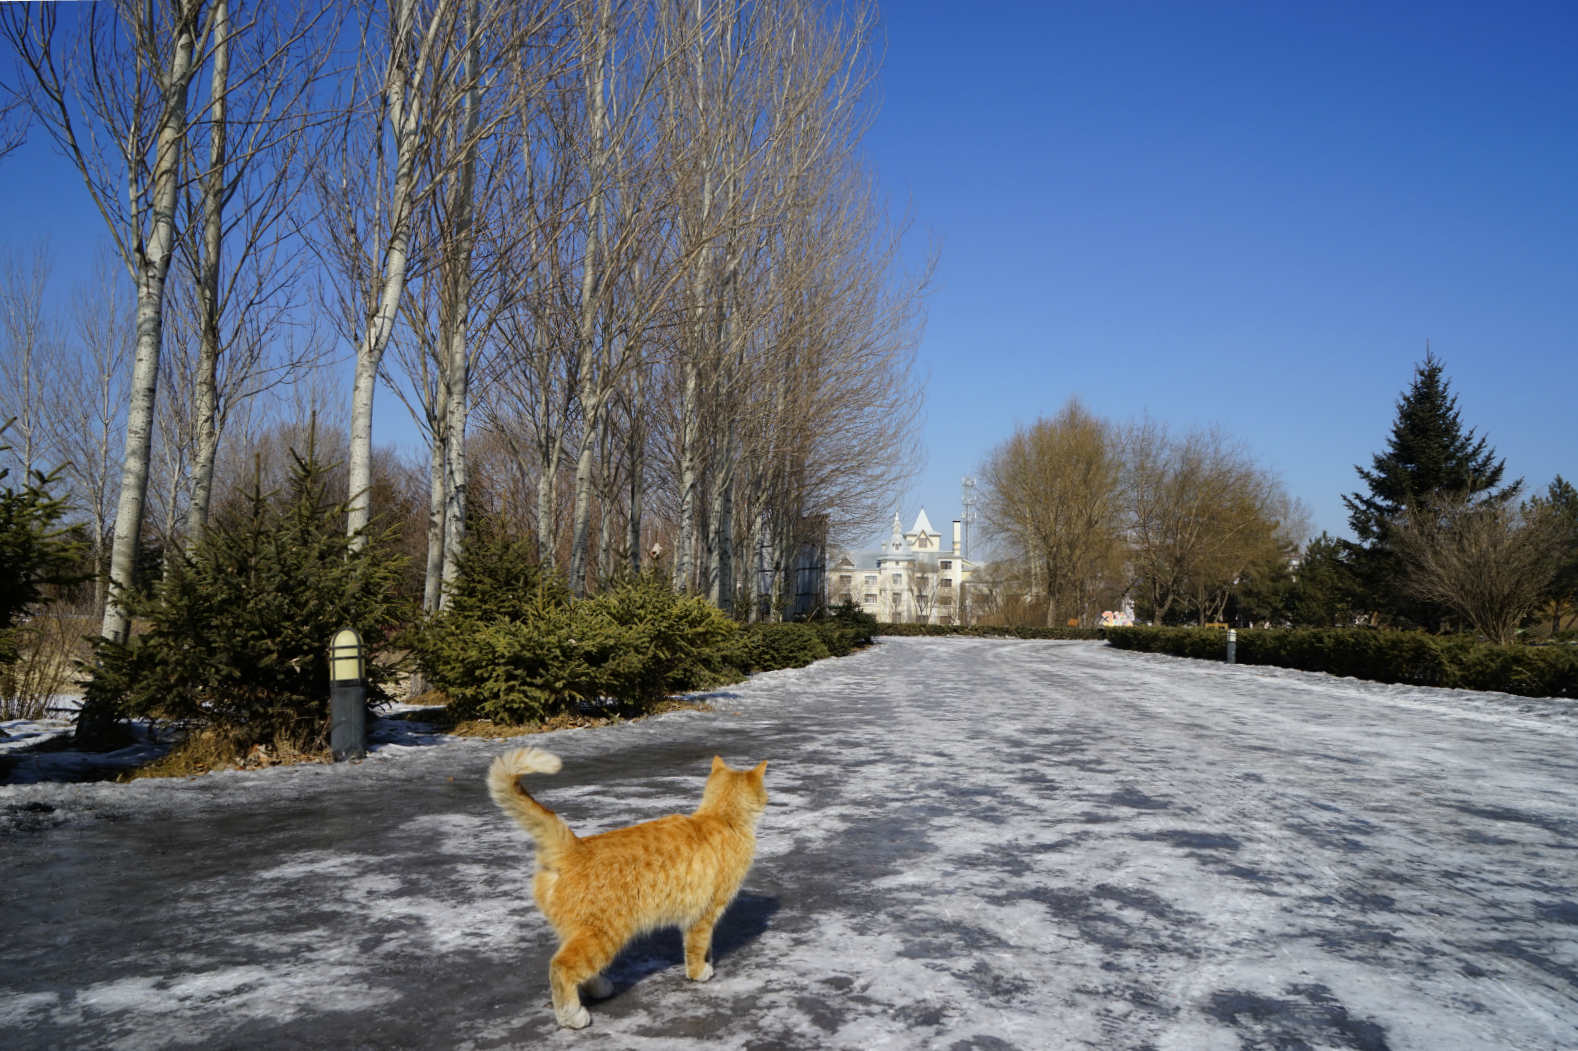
{"x":748,"y":917}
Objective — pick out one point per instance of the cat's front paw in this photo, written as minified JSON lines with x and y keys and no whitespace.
{"x":576,"y":1017}
{"x":597,"y":987}
{"x":703,"y":974}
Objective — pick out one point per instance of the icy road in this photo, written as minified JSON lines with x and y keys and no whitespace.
{"x":971,"y":844}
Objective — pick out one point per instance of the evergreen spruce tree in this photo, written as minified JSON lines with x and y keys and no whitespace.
{"x":237,"y":632}
{"x":37,"y":554}
{"x":1428,"y":455}
{"x":1322,"y":596}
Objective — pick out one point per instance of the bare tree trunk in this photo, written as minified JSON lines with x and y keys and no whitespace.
{"x":607,"y":498}
{"x":689,"y":459}
{"x":635,"y":439}
{"x":462,"y":209}
{"x":432,"y":581}
{"x":205,"y":395}
{"x":406,"y":123}
{"x":582,"y":513}
{"x":592,"y":379}
{"x":153,"y":270}
{"x":26,"y":362}
{"x":722,"y":594}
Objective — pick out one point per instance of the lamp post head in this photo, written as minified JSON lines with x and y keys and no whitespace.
{"x":345,"y":657}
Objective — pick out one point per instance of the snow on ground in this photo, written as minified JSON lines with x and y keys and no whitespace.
{"x":38,"y":750}
{"x":970,"y":844}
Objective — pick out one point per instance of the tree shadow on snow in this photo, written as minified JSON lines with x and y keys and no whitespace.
{"x":745,"y":921}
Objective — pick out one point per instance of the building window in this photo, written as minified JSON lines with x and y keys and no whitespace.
{"x":898,"y":578}
{"x":871,"y":578}
{"x":946,"y":565}
{"x":846,"y":578}
{"x":947,"y":582}
{"x":871,"y":598}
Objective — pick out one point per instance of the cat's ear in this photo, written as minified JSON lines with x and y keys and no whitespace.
{"x":718,"y":764}
{"x":759,"y":771}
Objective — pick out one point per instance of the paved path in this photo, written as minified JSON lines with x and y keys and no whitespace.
{"x":970,"y":844}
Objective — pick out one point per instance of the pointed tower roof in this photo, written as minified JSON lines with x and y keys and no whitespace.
{"x":896,"y":546}
{"x":923,"y":524}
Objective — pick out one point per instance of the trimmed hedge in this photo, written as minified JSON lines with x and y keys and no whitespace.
{"x":1410,"y":658}
{"x":992,"y":632}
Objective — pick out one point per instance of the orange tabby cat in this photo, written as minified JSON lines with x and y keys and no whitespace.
{"x":602,"y":891}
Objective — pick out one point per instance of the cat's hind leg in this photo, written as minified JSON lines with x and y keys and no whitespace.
{"x":597,"y":987}
{"x":698,"y":945}
{"x":579,"y":960}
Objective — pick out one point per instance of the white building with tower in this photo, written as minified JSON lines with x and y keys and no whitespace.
{"x":911,"y":579}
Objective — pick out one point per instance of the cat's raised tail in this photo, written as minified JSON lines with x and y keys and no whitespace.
{"x":553,"y":836}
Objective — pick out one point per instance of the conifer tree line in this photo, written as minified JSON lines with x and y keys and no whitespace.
{"x":622,"y":260}
{"x":1190,"y":529}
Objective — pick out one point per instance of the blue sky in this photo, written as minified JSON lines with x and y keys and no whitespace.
{"x":1245,"y":213}
{"x":1253,"y":214}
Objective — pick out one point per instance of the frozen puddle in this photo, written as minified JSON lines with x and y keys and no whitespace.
{"x":971,"y":844}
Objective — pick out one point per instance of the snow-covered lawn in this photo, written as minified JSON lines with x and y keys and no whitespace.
{"x":970,"y":844}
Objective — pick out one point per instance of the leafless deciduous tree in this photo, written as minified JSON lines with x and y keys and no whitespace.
{"x":115,"y":96}
{"x":13,"y":124}
{"x":1199,"y":511}
{"x":248,"y":158}
{"x":701,"y":280}
{"x":29,"y":355}
{"x":1053,"y":493}
{"x":410,"y":128}
{"x":1087,"y":512}
{"x":1490,"y":560}
{"x":90,"y":406}
{"x":631,"y":245}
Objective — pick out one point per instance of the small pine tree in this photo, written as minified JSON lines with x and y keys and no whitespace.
{"x":1322,"y":597}
{"x":1428,"y":455}
{"x":499,"y":576}
{"x":238,"y":632}
{"x":36,"y":552}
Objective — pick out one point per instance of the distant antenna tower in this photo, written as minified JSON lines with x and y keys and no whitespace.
{"x":967,"y":498}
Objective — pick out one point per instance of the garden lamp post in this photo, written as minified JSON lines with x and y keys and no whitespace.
{"x":347,"y":697}
{"x":1232,"y":646}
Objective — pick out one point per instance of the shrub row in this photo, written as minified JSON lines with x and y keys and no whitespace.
{"x":515,"y":648}
{"x":629,"y":645}
{"x":1410,"y":658}
{"x":766,"y":647}
{"x":992,"y":632}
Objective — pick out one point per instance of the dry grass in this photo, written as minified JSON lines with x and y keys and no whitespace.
{"x":209,"y":750}
{"x":205,"y":751}
{"x":49,"y":646}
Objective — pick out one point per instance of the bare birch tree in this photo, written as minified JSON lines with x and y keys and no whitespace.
{"x":249,"y":162}
{"x":115,"y":99}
